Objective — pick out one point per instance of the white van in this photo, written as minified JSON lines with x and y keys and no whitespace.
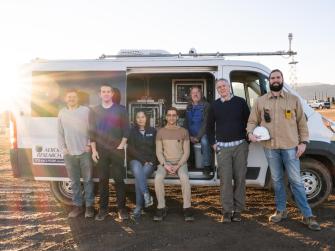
{"x":152,"y":81}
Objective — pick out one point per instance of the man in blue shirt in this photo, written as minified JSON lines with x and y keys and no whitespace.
{"x":109,"y":133}
{"x":196,"y":123}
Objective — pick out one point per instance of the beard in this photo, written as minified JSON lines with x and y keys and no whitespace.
{"x":276,"y":88}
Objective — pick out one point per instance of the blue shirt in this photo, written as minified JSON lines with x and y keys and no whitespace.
{"x":108,"y":126}
{"x":195,"y":117}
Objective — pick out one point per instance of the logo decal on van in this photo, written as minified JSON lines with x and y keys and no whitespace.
{"x":46,"y":155}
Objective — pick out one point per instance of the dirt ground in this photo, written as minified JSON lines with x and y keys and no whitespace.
{"x":31,"y":219}
{"x":328,"y":113}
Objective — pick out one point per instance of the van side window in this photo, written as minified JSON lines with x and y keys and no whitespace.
{"x":249,"y":85}
{"x":238,"y":89}
{"x":252,"y":96}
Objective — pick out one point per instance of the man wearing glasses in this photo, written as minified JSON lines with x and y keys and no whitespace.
{"x":227,"y":120}
{"x":196,"y":123}
{"x":172,"y":150}
{"x":282,"y":114}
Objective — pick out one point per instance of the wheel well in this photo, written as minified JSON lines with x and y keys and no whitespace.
{"x":324,"y":160}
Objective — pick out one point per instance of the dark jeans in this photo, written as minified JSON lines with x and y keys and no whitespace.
{"x":111,"y":163}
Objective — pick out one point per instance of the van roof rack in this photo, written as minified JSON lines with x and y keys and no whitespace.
{"x":216,"y":54}
{"x":193,"y":53}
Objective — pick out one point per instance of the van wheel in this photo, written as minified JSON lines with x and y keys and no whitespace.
{"x":62,"y":192}
{"x":320,"y":107}
{"x":317,"y":181}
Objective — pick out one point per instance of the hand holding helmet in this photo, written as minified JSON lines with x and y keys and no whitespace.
{"x":260,"y":133}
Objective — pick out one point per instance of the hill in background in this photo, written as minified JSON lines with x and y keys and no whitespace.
{"x":316,"y":90}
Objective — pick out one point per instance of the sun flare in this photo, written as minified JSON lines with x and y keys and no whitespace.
{"x":12,"y":90}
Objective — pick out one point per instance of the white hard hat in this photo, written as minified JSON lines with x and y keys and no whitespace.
{"x":262,"y":133}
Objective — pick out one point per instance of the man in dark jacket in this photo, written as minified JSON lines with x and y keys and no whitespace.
{"x":196,"y":123}
{"x":109,"y":129}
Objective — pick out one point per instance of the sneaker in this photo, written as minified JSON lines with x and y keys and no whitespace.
{"x":188,"y":214}
{"x":103,"y":213}
{"x":226,"y":217}
{"x":89,"y":212}
{"x":123,"y":214}
{"x":278,"y":216}
{"x":160,"y":214}
{"x":311,"y":223}
{"x":76,"y":212}
{"x":148,"y":200}
{"x":236,"y":217}
{"x":137,"y":212}
{"x":136,"y":215}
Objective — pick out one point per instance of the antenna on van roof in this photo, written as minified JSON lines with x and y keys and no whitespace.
{"x":193,"y":53}
{"x":293,"y":65}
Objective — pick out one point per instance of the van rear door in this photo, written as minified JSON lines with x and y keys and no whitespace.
{"x":48,"y":89}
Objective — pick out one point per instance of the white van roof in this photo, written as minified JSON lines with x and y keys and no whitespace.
{"x":125,"y":62}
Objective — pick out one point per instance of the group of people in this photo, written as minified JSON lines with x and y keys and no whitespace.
{"x":225,"y":127}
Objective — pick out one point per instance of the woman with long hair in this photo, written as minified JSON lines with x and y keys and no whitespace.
{"x":142,"y":159}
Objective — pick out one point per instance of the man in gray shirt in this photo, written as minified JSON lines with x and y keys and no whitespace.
{"x":73,"y":141}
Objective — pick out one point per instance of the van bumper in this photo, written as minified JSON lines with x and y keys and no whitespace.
{"x":20,"y":160}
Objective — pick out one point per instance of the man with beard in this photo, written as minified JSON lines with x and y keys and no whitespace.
{"x":282,"y":114}
{"x":172,"y":150}
{"x":196,"y":122}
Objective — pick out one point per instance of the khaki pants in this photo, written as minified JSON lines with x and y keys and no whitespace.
{"x":185,"y":186}
{"x":232,"y":164}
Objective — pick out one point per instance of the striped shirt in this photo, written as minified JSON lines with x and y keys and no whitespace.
{"x":220,"y":145}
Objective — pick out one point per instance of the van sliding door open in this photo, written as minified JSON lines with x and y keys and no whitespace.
{"x":154,"y":89}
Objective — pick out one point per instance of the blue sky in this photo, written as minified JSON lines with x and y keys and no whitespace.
{"x":86,"y":29}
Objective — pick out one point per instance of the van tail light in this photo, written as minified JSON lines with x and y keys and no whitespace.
{"x":12,"y":132}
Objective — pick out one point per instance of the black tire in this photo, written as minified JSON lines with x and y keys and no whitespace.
{"x":320,"y":107}
{"x":317,"y":181}
{"x":62,"y":192}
